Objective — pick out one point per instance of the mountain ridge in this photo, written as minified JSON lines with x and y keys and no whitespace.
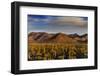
{"x":43,"y":37}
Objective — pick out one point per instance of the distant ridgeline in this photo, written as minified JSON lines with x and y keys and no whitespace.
{"x":43,"y":37}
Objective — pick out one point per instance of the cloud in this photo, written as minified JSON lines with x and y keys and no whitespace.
{"x":59,"y":20}
{"x":30,"y":19}
{"x":77,"y":21}
{"x":40,"y":19}
{"x":55,"y":24}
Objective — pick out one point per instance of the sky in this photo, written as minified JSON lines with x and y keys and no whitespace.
{"x":56,"y":24}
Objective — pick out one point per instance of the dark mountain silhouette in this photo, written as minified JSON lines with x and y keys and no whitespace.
{"x":40,"y":37}
{"x":74,"y":35}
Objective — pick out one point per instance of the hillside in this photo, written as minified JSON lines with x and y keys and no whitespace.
{"x":43,"y":37}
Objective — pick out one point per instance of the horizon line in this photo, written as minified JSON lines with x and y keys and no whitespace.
{"x":56,"y":32}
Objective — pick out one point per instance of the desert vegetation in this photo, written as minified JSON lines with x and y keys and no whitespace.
{"x":55,"y":51}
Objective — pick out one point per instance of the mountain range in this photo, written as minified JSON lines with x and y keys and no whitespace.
{"x":43,"y":37}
